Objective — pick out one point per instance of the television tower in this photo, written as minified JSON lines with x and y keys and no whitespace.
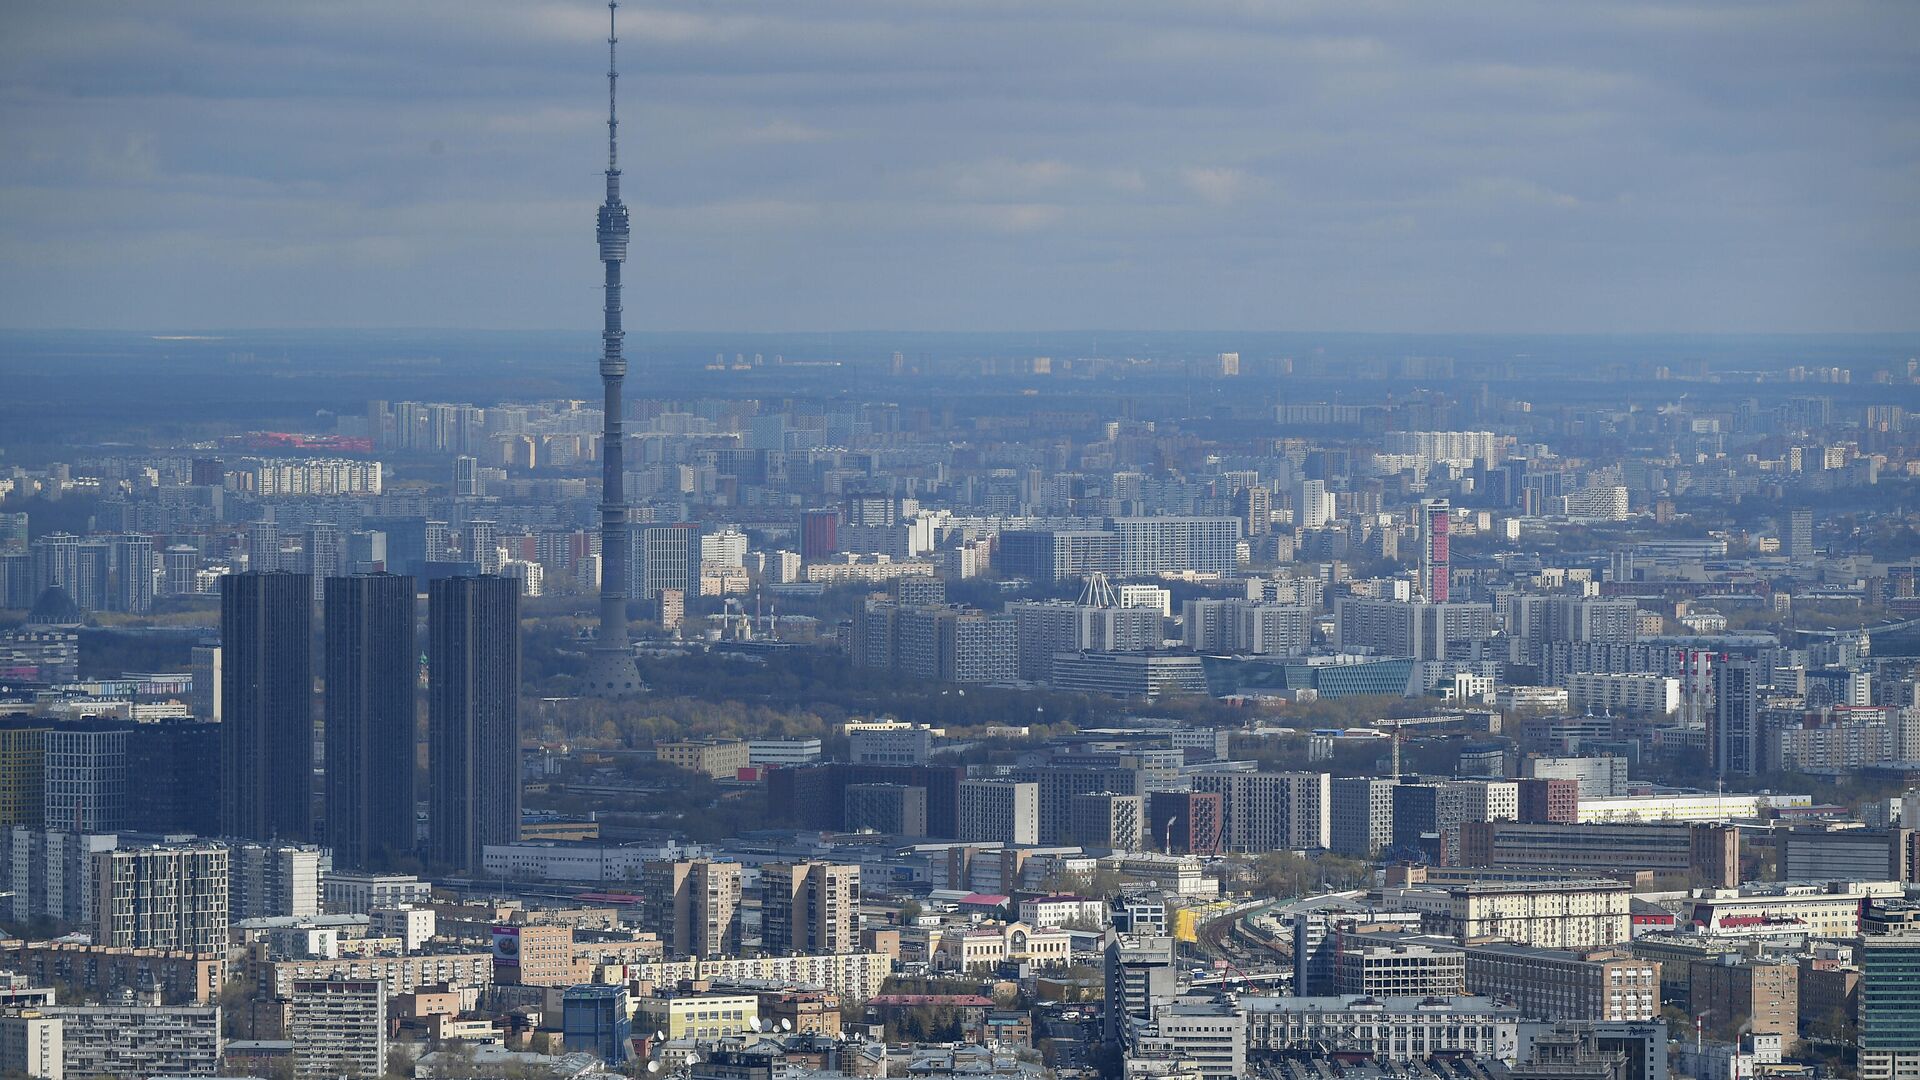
{"x":611,"y":672}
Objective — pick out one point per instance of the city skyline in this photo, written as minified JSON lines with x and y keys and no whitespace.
{"x":992,"y":704}
{"x":1611,"y":168}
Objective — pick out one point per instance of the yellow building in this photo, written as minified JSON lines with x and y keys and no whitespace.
{"x":968,"y":948}
{"x":22,"y":767}
{"x":718,"y":758}
{"x":696,"y":1016}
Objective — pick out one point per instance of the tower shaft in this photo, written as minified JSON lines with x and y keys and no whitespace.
{"x":613,"y":669}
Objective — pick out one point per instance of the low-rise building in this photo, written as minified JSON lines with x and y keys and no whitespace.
{"x":184,"y":978}
{"x":1394,"y":1029}
{"x":1559,"y":984}
{"x":1564,"y":914}
{"x":718,"y":758}
{"x":989,"y":945}
{"x":697,"y":1015}
{"x":399,"y":974}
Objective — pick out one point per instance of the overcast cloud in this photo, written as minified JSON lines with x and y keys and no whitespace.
{"x":966,"y":164}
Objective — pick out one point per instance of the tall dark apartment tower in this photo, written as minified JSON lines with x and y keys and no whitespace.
{"x":266,"y":688}
{"x":371,"y":666}
{"x":473,"y":714}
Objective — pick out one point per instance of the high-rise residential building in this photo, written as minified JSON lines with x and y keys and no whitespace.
{"x":809,"y":908}
{"x":1059,"y":781}
{"x":326,"y":556}
{"x":181,"y":570}
{"x":16,"y":580}
{"x":1360,"y":816}
{"x":1313,"y":505}
{"x":727,"y":548}
{"x":482,"y":546}
{"x":1132,"y":546}
{"x":86,"y":777}
{"x":172,"y":767}
{"x":92,"y":575}
{"x":1541,"y":619}
{"x":694,"y":905}
{"x":1044,"y":628}
{"x":437,"y":542}
{"x":1798,"y":542}
{"x":206,"y":666}
{"x":266,"y":701}
{"x":32,"y":1045}
{"x":1247,"y":626}
{"x":667,"y":557}
{"x":895,"y":809}
{"x":1184,"y":822}
{"x":1103,"y":819}
{"x":1435,"y":563}
{"x":338,"y":1027}
{"x":23,"y":771}
{"x":999,"y":811}
{"x":366,"y":552}
{"x":1253,"y":505}
{"x":1428,"y":816}
{"x":263,"y":546}
{"x":54,"y":557}
{"x":274,"y":880}
{"x":163,"y":896}
{"x":1733,"y":732}
{"x":466,"y":477}
{"x":45,"y":874}
{"x":1140,"y":974}
{"x":147,"y":1039}
{"x":1271,"y":811}
{"x":1423,"y":631}
{"x":1549,"y":799}
{"x":13,"y":532}
{"x":819,"y":533}
{"x":133,"y":560}
{"x":370,"y":708}
{"x":931,"y":642}
{"x":473,"y":697}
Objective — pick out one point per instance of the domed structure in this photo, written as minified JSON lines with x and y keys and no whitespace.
{"x":56,"y":608}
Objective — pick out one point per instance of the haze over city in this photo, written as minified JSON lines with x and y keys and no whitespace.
{"x":978,"y":541}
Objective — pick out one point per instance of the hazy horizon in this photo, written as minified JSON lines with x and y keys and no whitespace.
{"x":1512,"y":168}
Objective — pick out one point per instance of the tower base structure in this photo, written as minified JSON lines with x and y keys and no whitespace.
{"x":611,"y":673}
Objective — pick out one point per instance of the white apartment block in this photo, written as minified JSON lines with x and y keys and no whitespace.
{"x":999,"y":811}
{"x":1633,"y":695}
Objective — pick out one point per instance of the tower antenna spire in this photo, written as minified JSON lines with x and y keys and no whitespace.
{"x":613,"y":80}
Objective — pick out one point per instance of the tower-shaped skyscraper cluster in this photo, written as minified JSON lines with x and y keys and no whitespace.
{"x":370,"y":704}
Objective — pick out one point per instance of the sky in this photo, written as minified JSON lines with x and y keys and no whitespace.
{"x":1362,"y":165}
